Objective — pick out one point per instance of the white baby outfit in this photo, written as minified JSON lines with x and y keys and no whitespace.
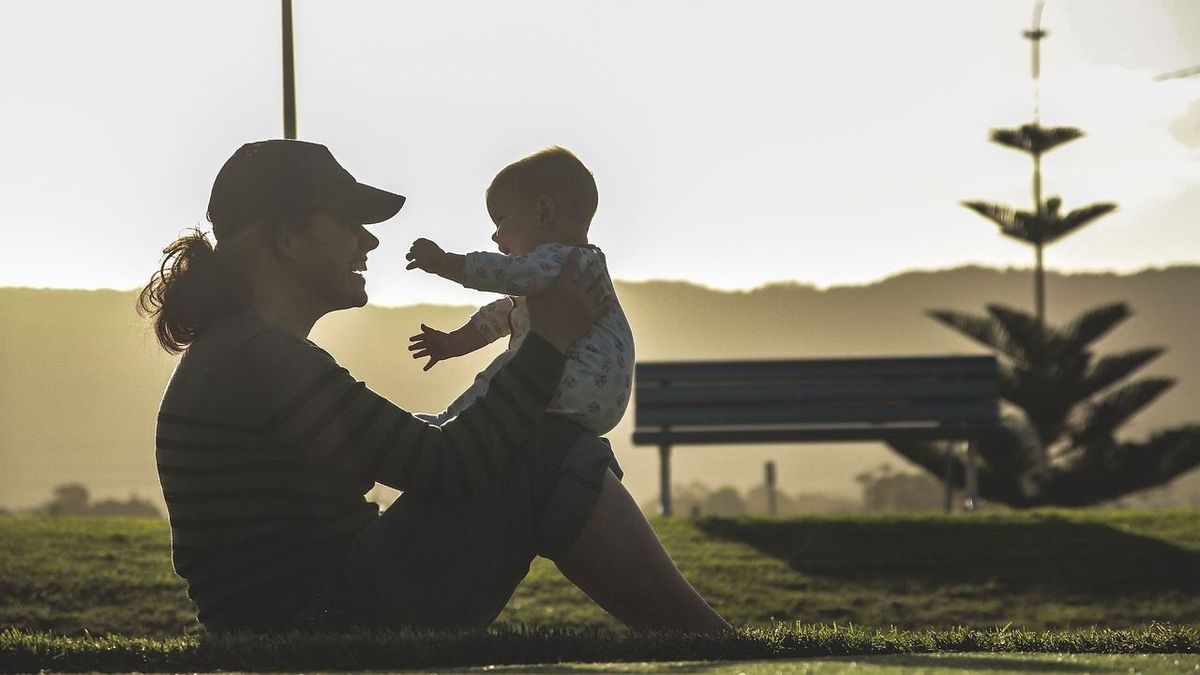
{"x":598,"y":377}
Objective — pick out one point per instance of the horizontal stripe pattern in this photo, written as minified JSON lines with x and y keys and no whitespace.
{"x":341,"y":424}
{"x":262,"y":513}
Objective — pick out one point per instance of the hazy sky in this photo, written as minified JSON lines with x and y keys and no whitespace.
{"x":734,"y":143}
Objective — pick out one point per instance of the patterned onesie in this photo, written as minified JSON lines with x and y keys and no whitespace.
{"x":595,"y":386}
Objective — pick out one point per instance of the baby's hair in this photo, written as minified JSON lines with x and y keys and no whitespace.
{"x":555,"y":172}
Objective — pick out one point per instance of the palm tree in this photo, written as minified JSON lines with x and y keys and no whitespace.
{"x":1058,"y":444}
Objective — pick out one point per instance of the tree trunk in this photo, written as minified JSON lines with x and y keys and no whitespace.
{"x":1039,"y":288}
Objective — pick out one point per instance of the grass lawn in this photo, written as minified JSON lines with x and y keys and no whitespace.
{"x":898,"y":664}
{"x":929,"y":583}
{"x":779,"y":647}
{"x":1040,"y":570}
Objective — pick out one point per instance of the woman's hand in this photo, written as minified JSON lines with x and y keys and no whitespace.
{"x":575,"y":301}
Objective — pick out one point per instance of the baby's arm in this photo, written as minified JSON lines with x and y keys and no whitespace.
{"x":527,"y":274}
{"x":429,"y":257}
{"x":487,"y":325}
{"x":439,"y":346}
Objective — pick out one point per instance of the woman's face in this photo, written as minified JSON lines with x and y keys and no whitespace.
{"x":330,"y":256}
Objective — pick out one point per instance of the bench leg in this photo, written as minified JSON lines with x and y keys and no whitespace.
{"x":772,"y":502}
{"x":972,"y":477}
{"x":664,"y":472}
{"x":948,"y":504}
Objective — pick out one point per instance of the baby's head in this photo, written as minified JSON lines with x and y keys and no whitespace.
{"x":549,"y":196}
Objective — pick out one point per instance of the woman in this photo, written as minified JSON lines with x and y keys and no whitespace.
{"x":265,"y":446}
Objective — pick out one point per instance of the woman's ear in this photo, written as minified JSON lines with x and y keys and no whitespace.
{"x":280,"y":239}
{"x":547,"y":211}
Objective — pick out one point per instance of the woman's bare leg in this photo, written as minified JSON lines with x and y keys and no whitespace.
{"x":618,"y":561}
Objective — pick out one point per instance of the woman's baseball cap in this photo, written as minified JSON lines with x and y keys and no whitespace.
{"x":285,"y":178}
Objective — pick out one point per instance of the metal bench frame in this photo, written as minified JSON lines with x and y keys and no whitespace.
{"x":816,"y":400}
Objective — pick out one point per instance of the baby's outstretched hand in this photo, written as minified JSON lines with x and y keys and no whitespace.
{"x":432,"y":343}
{"x":425,"y":255}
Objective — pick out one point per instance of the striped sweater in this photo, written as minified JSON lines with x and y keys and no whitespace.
{"x":266,"y":446}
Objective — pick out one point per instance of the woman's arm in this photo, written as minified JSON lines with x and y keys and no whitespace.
{"x":337,"y":422}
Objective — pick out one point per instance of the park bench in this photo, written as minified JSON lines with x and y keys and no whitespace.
{"x":816,"y":400}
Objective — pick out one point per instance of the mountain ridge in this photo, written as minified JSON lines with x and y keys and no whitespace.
{"x":82,"y":375}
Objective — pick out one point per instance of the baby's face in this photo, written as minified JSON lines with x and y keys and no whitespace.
{"x":517,"y":231}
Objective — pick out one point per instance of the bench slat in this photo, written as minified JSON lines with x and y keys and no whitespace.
{"x":729,"y":436}
{"x":650,"y":397}
{"x":797,"y":369}
{"x":800,"y":400}
{"x":789,"y":412}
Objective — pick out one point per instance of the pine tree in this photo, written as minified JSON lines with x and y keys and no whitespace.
{"x":1046,"y":222}
{"x":1058,"y":444}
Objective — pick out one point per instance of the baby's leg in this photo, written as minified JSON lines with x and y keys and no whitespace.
{"x":458,"y":405}
{"x":621,"y":565}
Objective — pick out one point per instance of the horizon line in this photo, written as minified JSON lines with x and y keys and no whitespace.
{"x":761,"y":286}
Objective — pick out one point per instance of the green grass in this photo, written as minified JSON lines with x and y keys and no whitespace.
{"x":99,"y":594}
{"x":23,"y":651}
{"x":897,"y":664}
{"x":950,"y":663}
{"x":1039,"y":570}
{"x":106,"y":575}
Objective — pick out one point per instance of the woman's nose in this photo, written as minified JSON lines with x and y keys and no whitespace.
{"x":496,"y":237}
{"x":372,"y":240}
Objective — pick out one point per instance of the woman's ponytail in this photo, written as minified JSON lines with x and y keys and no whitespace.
{"x":193,"y":285}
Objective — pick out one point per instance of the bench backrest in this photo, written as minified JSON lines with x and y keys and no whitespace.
{"x":921,"y":397}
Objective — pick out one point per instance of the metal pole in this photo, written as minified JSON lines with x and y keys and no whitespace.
{"x":771,"y":506}
{"x":664,"y":467}
{"x":972,"y":477}
{"x":289,"y":75}
{"x":947,"y":505}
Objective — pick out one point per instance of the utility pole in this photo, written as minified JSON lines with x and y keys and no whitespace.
{"x":289,"y":75}
{"x":772,"y":508}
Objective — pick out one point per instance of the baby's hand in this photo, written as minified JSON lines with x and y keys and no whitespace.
{"x":427,"y":256}
{"x":432,"y":343}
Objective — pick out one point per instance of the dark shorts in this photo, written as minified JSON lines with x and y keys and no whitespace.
{"x":454,"y":565}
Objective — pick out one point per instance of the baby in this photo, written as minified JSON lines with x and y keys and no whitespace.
{"x":542,"y":206}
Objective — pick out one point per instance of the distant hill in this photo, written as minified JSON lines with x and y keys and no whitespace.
{"x":80,"y":376}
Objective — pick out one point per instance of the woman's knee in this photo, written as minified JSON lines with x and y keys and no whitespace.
{"x":574,"y":491}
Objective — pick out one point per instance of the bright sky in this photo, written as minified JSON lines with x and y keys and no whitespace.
{"x":734,"y":143}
